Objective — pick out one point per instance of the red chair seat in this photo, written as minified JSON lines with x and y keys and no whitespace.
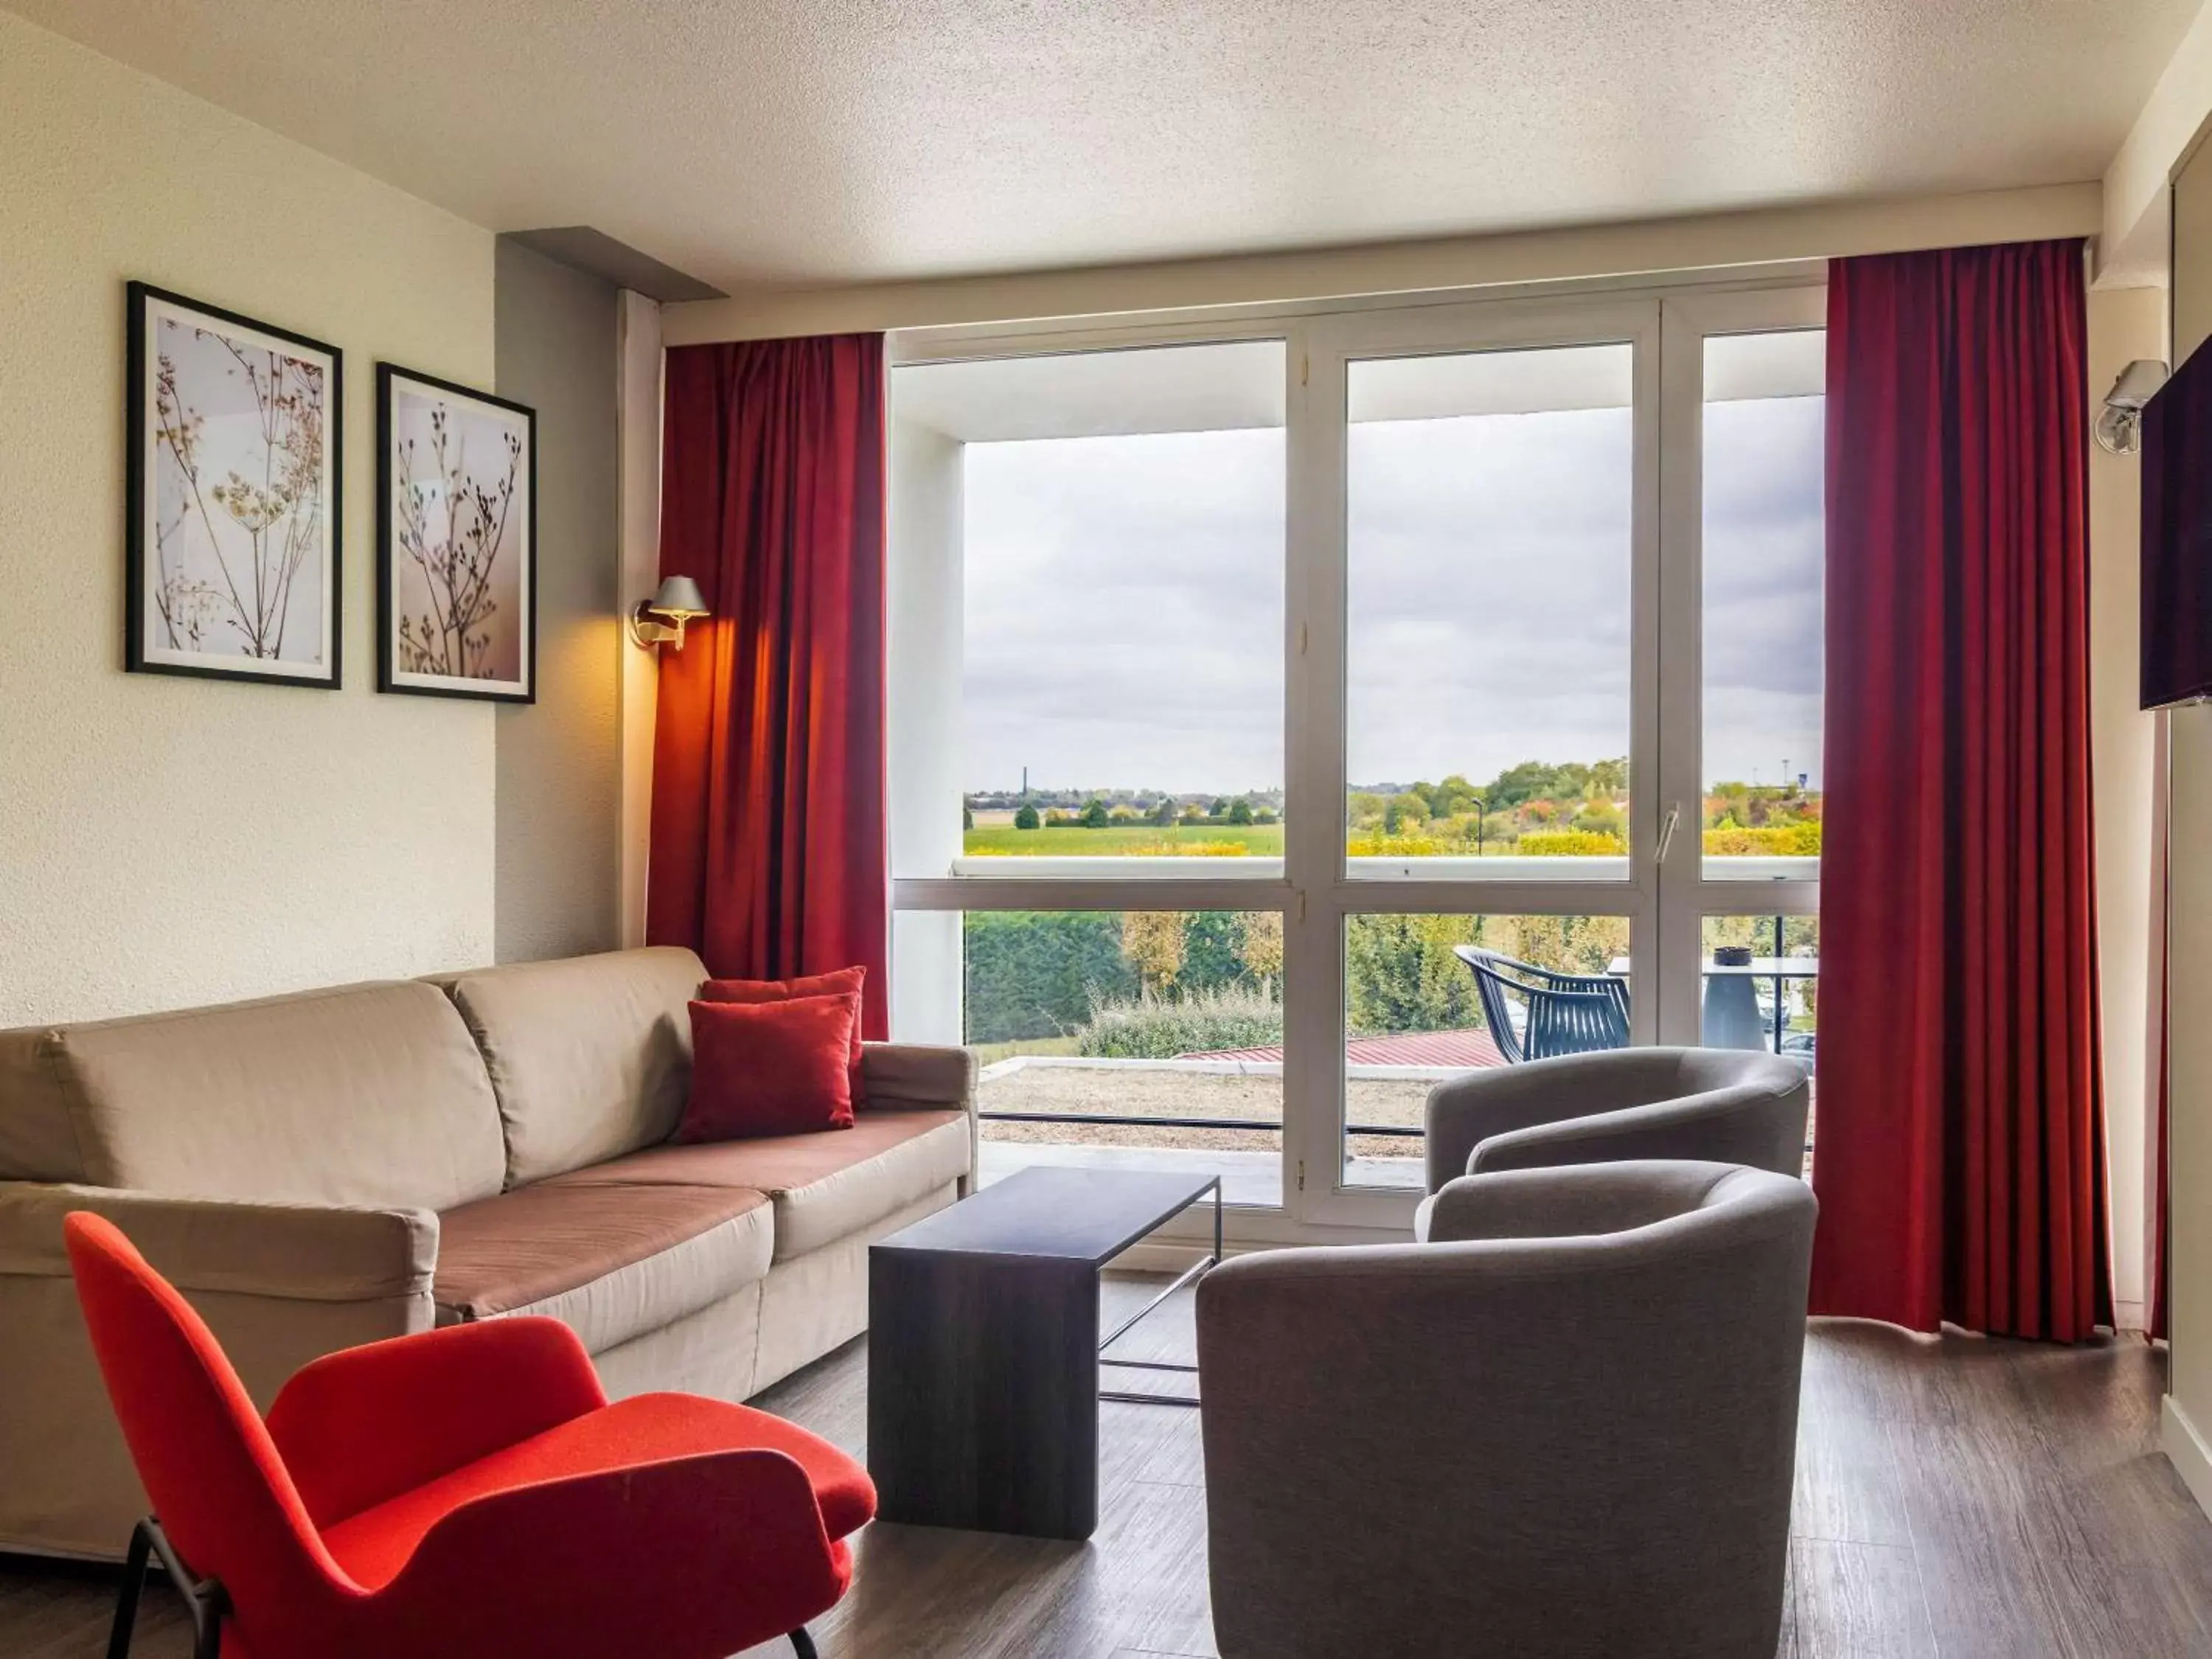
{"x":374,"y":1545}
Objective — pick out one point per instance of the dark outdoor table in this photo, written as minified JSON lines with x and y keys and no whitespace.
{"x":1730,"y":1017}
{"x":983,"y":1348}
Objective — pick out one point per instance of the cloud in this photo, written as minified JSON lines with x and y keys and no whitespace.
{"x":1124,"y":609}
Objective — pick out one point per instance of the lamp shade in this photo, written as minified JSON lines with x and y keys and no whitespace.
{"x":678,"y":596}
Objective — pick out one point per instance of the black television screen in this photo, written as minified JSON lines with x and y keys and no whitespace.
{"x":2177,"y":537}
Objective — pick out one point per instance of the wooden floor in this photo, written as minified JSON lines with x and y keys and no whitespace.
{"x":1957,"y":1498}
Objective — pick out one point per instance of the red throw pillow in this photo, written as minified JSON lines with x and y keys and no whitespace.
{"x":771,"y":1068}
{"x":840,"y":981}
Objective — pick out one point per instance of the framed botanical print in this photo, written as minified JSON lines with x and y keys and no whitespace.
{"x":456,"y":540}
{"x":233,"y":533}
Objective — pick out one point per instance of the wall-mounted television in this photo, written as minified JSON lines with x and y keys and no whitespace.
{"x":2177,"y":537}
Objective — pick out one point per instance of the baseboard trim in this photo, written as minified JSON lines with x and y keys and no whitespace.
{"x":2189,"y":1453}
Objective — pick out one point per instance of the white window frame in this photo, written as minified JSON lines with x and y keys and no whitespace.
{"x":1314,"y":887}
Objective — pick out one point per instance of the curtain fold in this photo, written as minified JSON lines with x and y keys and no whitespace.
{"x":1959,"y":1164}
{"x":767,"y":842}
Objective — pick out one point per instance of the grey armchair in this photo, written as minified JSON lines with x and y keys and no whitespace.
{"x":1728,"y":1105}
{"x":1564,"y":1428}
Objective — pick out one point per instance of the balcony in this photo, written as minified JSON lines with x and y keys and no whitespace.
{"x":1220,"y":1109}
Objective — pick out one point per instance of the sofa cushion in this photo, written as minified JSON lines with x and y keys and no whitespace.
{"x":364,"y":1095}
{"x":611,"y":1262}
{"x":824,"y":1186}
{"x":838,"y":982}
{"x":771,"y":1068}
{"x":590,"y":1056}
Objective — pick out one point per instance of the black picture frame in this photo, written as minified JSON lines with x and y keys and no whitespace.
{"x":143,"y":469}
{"x":393,"y":380}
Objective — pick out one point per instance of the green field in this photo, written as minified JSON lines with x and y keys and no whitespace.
{"x":1128,"y":841}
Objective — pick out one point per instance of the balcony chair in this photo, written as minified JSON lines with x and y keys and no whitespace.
{"x":1723,"y":1105}
{"x":461,"y":1491}
{"x":1564,"y":1426}
{"x":1560,"y":1014}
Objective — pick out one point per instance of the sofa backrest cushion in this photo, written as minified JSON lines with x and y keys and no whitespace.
{"x":368,"y":1094}
{"x":590,"y":1056}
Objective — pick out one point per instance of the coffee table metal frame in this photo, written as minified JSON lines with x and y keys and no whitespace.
{"x":1190,"y":1275}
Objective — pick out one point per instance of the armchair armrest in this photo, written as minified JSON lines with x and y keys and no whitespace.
{"x":1554,"y":1203}
{"x":1721,"y":1126}
{"x":660,"y":1558}
{"x":1465,"y":1111}
{"x":366,"y":1423}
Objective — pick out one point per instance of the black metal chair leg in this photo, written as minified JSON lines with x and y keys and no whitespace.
{"x":134,"y":1584}
{"x":803,"y":1644}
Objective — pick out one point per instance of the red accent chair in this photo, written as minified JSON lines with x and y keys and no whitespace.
{"x":463,"y":1492}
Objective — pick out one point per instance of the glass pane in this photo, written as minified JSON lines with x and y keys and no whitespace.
{"x":1764,"y":548}
{"x":1116,"y":531}
{"x":1429,"y":996}
{"x":1762,"y":988}
{"x":1146,"y":1040}
{"x":1489,"y":530}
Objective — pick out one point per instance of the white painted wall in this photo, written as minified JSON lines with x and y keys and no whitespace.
{"x":1702,"y":242}
{"x":560,"y":785}
{"x":2189,"y":918}
{"x":637,"y":423}
{"x":2133,"y":248}
{"x":925,"y":604}
{"x":167,"y":841}
{"x":2124,"y":324}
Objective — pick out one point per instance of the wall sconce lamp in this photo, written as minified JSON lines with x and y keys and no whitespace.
{"x":659,"y":620}
{"x":2120,"y":426}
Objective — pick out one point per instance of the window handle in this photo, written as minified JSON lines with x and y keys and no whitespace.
{"x":1667,"y":828}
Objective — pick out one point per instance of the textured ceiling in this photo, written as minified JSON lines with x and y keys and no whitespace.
{"x":812,"y":142}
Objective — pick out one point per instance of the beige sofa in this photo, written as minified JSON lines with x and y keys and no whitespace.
{"x":335,"y":1167}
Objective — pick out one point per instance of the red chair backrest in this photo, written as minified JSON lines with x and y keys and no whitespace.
{"x":213,"y":1473}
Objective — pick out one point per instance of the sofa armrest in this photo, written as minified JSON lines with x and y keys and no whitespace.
{"x":925,"y":1077}
{"x":916,"y":1076}
{"x":280,"y":1285}
{"x":298,"y":1252}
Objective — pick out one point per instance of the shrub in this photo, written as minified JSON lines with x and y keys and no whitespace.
{"x":1240,"y":810}
{"x":1776,"y":841}
{"x":1151,"y":1026}
{"x":1036,"y":973}
{"x":1397,"y":847}
{"x":1026,"y":818}
{"x":1400,"y":974}
{"x":1095,"y":815}
{"x":1569,"y":844}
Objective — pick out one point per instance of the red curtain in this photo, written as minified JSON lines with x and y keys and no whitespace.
{"x":768,"y":854}
{"x":1959,"y":1164}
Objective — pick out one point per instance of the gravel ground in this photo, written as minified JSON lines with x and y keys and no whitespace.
{"x":1183,"y":1094}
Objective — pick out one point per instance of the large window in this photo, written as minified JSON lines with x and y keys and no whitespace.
{"x":1763,"y":569}
{"x":1489,"y":530}
{"x":1282,"y":725}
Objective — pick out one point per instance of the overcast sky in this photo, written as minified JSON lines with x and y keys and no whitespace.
{"x":1124,"y":601}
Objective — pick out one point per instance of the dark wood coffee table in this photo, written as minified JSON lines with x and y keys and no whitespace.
{"x":983,"y":1348}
